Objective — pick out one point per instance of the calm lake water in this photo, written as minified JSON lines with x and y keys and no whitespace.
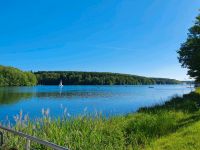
{"x":109,"y":100}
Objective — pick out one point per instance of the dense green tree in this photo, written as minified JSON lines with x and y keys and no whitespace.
{"x":31,"y":79}
{"x":189,"y":53}
{"x":96,"y":78}
{"x":10,"y":76}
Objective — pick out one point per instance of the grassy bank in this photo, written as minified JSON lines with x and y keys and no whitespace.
{"x":149,"y":128}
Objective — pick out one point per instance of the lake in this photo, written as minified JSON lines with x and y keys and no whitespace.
{"x":79,"y":100}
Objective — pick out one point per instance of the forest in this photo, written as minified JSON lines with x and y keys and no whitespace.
{"x":96,"y":78}
{"x":10,"y":76}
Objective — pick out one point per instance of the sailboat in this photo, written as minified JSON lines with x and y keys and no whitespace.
{"x":60,"y":85}
{"x":151,"y":87}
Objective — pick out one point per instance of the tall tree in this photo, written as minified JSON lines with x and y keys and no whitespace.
{"x":189,"y":53}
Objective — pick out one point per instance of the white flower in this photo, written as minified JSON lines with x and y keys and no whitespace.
{"x":47,"y":112}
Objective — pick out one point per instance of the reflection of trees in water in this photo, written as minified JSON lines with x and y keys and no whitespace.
{"x":73,"y":94}
{"x":14,"y":95}
{"x":10,"y":97}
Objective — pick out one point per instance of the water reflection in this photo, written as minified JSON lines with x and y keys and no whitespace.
{"x":69,"y":95}
{"x":11,"y":96}
{"x":110,"y":100}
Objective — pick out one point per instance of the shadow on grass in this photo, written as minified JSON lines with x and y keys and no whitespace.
{"x":189,"y":120}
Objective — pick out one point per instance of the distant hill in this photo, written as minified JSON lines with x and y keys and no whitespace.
{"x":10,"y":76}
{"x":96,"y":78}
{"x":166,"y":81}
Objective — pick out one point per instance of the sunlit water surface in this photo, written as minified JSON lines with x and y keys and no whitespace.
{"x":79,"y":100}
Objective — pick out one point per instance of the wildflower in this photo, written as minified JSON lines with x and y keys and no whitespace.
{"x":47,"y":112}
{"x":42,"y":111}
{"x":26,"y":117}
{"x":16,"y":118}
{"x":20,"y":114}
{"x":65,"y":111}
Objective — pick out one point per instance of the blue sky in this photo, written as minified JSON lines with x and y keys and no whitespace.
{"x":126,"y":36}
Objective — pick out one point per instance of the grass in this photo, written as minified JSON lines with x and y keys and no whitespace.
{"x":176,"y":122}
{"x":197,"y":90}
{"x":184,"y":139}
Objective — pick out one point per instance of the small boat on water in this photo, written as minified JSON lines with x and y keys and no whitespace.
{"x":151,"y":87}
{"x":60,"y":85}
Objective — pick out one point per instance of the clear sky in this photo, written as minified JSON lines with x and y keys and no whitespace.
{"x":127,"y":36}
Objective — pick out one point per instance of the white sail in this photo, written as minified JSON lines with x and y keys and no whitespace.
{"x":60,"y":83}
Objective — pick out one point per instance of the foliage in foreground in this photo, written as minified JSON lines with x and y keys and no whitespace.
{"x":146,"y":129}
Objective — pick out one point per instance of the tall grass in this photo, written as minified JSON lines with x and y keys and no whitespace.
{"x":133,"y":131}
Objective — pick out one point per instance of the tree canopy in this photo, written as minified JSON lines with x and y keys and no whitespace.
{"x":10,"y":76}
{"x":189,"y":52}
{"x":96,"y":78}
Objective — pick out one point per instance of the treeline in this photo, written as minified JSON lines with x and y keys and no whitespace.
{"x":96,"y":78}
{"x":10,"y":76}
{"x":166,"y":81}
